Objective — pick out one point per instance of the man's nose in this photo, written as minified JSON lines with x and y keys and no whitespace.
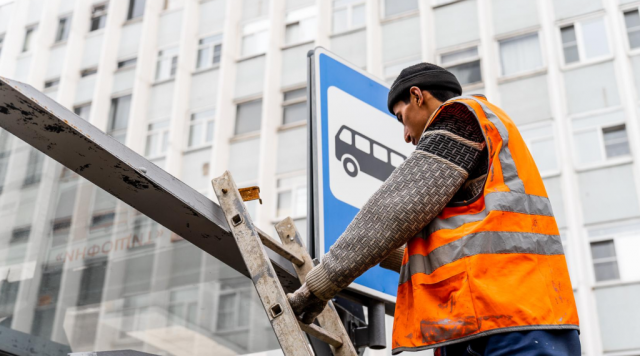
{"x":407,"y":137}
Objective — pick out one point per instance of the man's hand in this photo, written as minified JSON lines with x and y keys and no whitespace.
{"x":305,"y":304}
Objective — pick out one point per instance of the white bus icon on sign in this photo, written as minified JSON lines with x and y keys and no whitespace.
{"x":358,"y":152}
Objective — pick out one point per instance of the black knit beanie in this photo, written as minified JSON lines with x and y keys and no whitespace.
{"x":425,"y":76}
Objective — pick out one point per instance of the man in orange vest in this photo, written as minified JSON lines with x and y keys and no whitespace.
{"x":467,"y":223}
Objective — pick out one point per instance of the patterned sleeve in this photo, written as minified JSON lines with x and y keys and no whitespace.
{"x":412,"y":196}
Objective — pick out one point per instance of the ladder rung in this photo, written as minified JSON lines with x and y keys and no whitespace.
{"x":321,"y":334}
{"x":279,"y":248}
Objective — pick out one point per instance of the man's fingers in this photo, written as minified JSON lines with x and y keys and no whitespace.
{"x":296,"y":302}
{"x":312,"y":312}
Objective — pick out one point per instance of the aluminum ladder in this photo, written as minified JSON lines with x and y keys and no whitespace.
{"x":288,"y":329}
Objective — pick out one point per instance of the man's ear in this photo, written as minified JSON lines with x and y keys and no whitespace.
{"x":416,"y":94}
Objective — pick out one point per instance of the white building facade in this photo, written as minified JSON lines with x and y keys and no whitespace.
{"x":202,"y":86}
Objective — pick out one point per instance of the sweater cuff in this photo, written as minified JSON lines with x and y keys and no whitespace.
{"x":394,"y":260}
{"x":319,"y":283}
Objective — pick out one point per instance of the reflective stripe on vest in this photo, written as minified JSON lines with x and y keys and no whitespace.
{"x":493,"y":265}
{"x":485,"y":242}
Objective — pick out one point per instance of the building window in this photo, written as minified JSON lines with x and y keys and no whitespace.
{"x":584,"y":41}
{"x":294,"y":106}
{"x":520,"y":54}
{"x":255,"y":43}
{"x":157,"y":139}
{"x":136,"y":9}
{"x":248,"y":117}
{"x":596,"y":142}
{"x":51,"y":83}
{"x":127,"y":63}
{"x":98,"y":17}
{"x":201,"y":128}
{"x":616,"y":142}
{"x":605,"y":262}
{"x":34,"y":168}
{"x":292,"y":197}
{"x":183,"y":306}
{"x":233,"y":305}
{"x":28,"y":38}
{"x":632,"y":20}
{"x":209,"y":51}
{"x":64,"y":25}
{"x":88,"y":72}
{"x":119,"y":117}
{"x":167,"y":63}
{"x":20,"y":235}
{"x":348,"y":15}
{"x":464,"y":64}
{"x":395,"y":7}
{"x":134,"y":315}
{"x":300,"y":31}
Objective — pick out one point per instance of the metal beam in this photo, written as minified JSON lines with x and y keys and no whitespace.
{"x":60,"y":134}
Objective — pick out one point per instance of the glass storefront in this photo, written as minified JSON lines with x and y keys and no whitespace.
{"x":82,"y":271}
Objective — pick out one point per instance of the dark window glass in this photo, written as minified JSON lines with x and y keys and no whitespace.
{"x":632,"y":20}
{"x":98,"y":17}
{"x":467,"y":73}
{"x":616,"y":141}
{"x":136,"y":9}
{"x":64,"y":25}
{"x":569,"y":44}
{"x":128,"y":63}
{"x":248,"y":117}
{"x":34,"y":168}
{"x":605,"y":262}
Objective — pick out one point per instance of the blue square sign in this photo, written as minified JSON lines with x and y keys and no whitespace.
{"x":356,"y":144}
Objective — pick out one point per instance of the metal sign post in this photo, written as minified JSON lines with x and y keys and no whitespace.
{"x":355,"y":145}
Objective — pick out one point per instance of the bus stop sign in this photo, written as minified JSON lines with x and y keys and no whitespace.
{"x":355,"y":145}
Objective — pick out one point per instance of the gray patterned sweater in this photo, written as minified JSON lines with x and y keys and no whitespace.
{"x":449,"y":165}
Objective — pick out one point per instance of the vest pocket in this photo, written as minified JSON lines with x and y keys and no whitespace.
{"x":444,"y":310}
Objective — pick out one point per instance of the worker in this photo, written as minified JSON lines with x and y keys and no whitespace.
{"x":467,"y":223}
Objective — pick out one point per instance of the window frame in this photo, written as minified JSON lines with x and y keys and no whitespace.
{"x":211,"y":46}
{"x":111,"y":120}
{"x":68,"y":18}
{"x":349,"y":8}
{"x":577,"y":23}
{"x":260,"y":52}
{"x":131,"y":8}
{"x":383,"y":14}
{"x":524,"y":74}
{"x":251,"y":134}
{"x":623,"y":11}
{"x":184,"y":305}
{"x":606,"y":162}
{"x":296,"y":17}
{"x":126,"y":64}
{"x":293,"y":188}
{"x":237,"y":292}
{"x":162,"y":57}
{"x":205,"y":121}
{"x":27,"y":42}
{"x":51,"y":84}
{"x":290,"y":102}
{"x":449,"y":50}
{"x":161,"y":131}
{"x":98,"y":14}
{"x":82,"y":106}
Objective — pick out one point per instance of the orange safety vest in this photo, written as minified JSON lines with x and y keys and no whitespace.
{"x":490,"y":265}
